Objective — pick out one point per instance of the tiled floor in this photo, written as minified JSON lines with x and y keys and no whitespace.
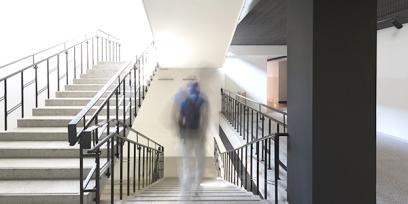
{"x":392,"y":170}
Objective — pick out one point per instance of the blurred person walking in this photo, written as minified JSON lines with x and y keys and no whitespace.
{"x":192,"y":118}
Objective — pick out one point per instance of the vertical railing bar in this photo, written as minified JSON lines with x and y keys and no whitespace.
{"x":97,"y":179}
{"x":128,"y":169}
{"x":66,"y":67}
{"x":87,"y":55}
{"x":22,"y":94}
{"x":75,"y":75}
{"x":48,"y":78}
{"x":134,"y":167}
{"x":58,"y":72}
{"x":112,"y":167}
{"x":5,"y":104}
{"x":36,"y":85}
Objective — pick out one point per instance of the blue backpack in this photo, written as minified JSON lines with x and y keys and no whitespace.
{"x":190,"y":112}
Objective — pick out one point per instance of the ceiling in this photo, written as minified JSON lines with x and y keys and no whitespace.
{"x":265,"y":24}
{"x":192,"y":33}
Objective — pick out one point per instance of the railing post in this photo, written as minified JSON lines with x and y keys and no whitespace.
{"x":81,"y":174}
{"x":82,"y":63}
{"x":97,"y":178}
{"x":276,"y":167}
{"x":93,"y":52}
{"x":134,"y":167}
{"x":66,"y":67}
{"x":257,"y":168}
{"x":135,"y":88}
{"x":128,"y":168}
{"x":48,"y":78}
{"x":36,"y":84}
{"x":265,"y":170}
{"x":22,"y":94}
{"x":87,"y":55}
{"x":138,"y":164}
{"x":75,"y":62}
{"x":97,"y":49}
{"x":112,"y":167}
{"x":58,"y":72}
{"x":5,"y":104}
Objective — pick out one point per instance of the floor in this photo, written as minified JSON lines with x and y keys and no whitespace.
{"x":392,"y":170}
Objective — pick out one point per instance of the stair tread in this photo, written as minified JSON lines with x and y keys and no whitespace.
{"x":60,"y":186}
{"x":48,"y":163}
{"x":69,"y":107}
{"x":36,"y":145}
{"x":36,"y":130}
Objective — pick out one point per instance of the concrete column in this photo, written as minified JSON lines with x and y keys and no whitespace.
{"x":332,"y":101}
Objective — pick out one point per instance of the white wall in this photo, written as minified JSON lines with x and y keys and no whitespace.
{"x":245,"y":69}
{"x":392,"y":81}
{"x":156,"y":120}
{"x":193,"y":33}
{"x":28,"y":26}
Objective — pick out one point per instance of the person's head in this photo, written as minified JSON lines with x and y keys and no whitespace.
{"x":193,"y":88}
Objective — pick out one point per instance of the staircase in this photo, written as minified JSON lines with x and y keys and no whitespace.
{"x":37,"y":165}
{"x":213,"y":191}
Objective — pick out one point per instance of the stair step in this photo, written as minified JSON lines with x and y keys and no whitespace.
{"x":38,"y":149}
{"x":91,"y":81}
{"x":199,"y":198}
{"x":103,"y":70}
{"x":18,"y":169}
{"x":49,"y":121}
{"x":82,"y":94}
{"x":70,"y":110}
{"x":85,"y":87}
{"x":96,"y":75}
{"x":77,"y":101}
{"x":41,"y":191}
{"x":35,"y":134}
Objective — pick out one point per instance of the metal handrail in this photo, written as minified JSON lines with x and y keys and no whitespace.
{"x":86,"y":61}
{"x":99,"y":30}
{"x":92,"y":138}
{"x":72,"y":125}
{"x":273,"y":136}
{"x":235,"y":164}
{"x":49,"y":48}
{"x":253,"y":101}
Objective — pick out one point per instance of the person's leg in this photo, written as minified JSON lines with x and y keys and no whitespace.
{"x":186,"y":166}
{"x":199,"y":151}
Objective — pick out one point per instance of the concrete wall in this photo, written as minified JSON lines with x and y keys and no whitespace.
{"x":392,"y":81}
{"x":155,"y":118}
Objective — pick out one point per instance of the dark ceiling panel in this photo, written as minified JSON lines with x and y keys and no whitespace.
{"x":266,"y":23}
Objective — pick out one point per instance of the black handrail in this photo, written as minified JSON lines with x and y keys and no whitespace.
{"x":229,"y":93}
{"x":256,"y":127}
{"x":130,"y":85}
{"x":87,"y":61}
{"x":233,"y":164}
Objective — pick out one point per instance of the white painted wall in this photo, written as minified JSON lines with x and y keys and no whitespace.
{"x":392,"y":81}
{"x":156,"y":120}
{"x":28,"y":26}
{"x":245,"y":69}
{"x":193,"y":33}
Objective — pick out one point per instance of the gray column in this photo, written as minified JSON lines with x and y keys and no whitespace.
{"x":332,"y":101}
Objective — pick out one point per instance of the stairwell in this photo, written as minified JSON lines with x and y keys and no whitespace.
{"x":37,"y":164}
{"x":211,"y":190}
